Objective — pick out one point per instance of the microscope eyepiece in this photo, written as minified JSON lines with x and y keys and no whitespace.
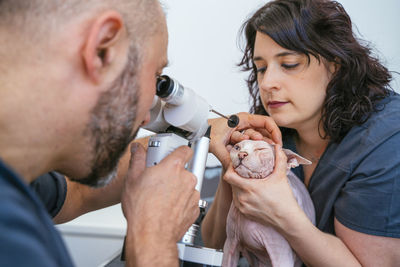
{"x":165,"y":86}
{"x":170,"y":90}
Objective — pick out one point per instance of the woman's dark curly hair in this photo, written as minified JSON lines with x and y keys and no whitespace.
{"x":321,"y":28}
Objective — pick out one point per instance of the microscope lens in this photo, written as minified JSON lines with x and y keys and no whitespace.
{"x":164,"y":86}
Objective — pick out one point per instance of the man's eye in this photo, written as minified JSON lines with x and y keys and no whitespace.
{"x":290,"y":66}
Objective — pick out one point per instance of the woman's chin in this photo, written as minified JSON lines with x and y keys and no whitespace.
{"x":281,"y":121}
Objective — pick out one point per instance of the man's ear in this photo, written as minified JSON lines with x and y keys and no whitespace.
{"x":102,"y":43}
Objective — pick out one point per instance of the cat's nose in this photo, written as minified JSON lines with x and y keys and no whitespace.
{"x":242,"y":155}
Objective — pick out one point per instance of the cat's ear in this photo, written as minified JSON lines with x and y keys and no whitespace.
{"x":294,"y":159}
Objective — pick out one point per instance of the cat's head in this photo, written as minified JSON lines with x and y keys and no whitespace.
{"x":256,"y":159}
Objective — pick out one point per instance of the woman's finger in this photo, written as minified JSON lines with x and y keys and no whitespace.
{"x":238,"y":136}
{"x":253,"y":134}
{"x":263,"y":122}
{"x":281,"y":166}
{"x":232,"y":178}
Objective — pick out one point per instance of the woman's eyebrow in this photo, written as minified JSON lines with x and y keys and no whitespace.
{"x":281,"y":54}
{"x":286,"y":53}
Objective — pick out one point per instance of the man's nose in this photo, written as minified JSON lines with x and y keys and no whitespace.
{"x":242,"y":155}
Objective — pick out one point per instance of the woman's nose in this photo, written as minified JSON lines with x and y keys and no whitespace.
{"x":270,"y":80}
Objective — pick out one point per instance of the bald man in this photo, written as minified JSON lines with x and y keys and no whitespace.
{"x":77,"y":79}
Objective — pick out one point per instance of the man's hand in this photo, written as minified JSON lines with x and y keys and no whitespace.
{"x":82,"y":199}
{"x":160,"y":203}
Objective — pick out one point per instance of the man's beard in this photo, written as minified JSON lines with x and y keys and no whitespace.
{"x":111,"y":125}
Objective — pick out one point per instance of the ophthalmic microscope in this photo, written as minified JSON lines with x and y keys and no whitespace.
{"x":179,"y":117}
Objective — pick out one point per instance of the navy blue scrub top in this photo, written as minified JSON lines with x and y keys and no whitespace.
{"x":27,"y":234}
{"x":358,"y":180}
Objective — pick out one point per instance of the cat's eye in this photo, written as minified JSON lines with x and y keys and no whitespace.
{"x":236,"y":147}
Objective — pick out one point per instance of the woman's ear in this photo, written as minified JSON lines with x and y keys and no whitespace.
{"x":334,"y":66}
{"x":294,"y":159}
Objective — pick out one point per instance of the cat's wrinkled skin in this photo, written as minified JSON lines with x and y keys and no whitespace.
{"x":261,"y":244}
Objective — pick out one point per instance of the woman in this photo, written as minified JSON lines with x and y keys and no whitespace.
{"x":334,"y":105}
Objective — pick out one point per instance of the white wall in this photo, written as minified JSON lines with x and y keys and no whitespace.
{"x":378,"y":22}
{"x":203,"y":52}
{"x":203,"y":43}
{"x":95,"y":237}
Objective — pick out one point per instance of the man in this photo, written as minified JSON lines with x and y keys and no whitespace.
{"x":76,"y":82}
{"x":77,"y":79}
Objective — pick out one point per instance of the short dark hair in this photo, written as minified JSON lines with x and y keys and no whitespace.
{"x":32,"y":17}
{"x":321,"y":28}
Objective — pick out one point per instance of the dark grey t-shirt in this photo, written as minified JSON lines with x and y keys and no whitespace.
{"x":358,"y":180}
{"x":51,"y":188}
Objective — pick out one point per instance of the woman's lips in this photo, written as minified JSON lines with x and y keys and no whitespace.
{"x":276,"y":104}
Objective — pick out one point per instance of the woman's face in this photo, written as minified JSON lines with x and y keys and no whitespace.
{"x":291,"y":90}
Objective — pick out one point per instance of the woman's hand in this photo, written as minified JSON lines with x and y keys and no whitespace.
{"x":268,"y":201}
{"x":256,"y":127}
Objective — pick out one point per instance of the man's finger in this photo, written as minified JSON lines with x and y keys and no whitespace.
{"x":191,"y":212}
{"x":179,"y":156}
{"x":137,"y":162}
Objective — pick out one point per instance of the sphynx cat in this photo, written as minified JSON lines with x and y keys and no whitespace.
{"x":261,"y":244}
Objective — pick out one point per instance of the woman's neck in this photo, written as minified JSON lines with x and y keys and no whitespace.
{"x":309,"y":143}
